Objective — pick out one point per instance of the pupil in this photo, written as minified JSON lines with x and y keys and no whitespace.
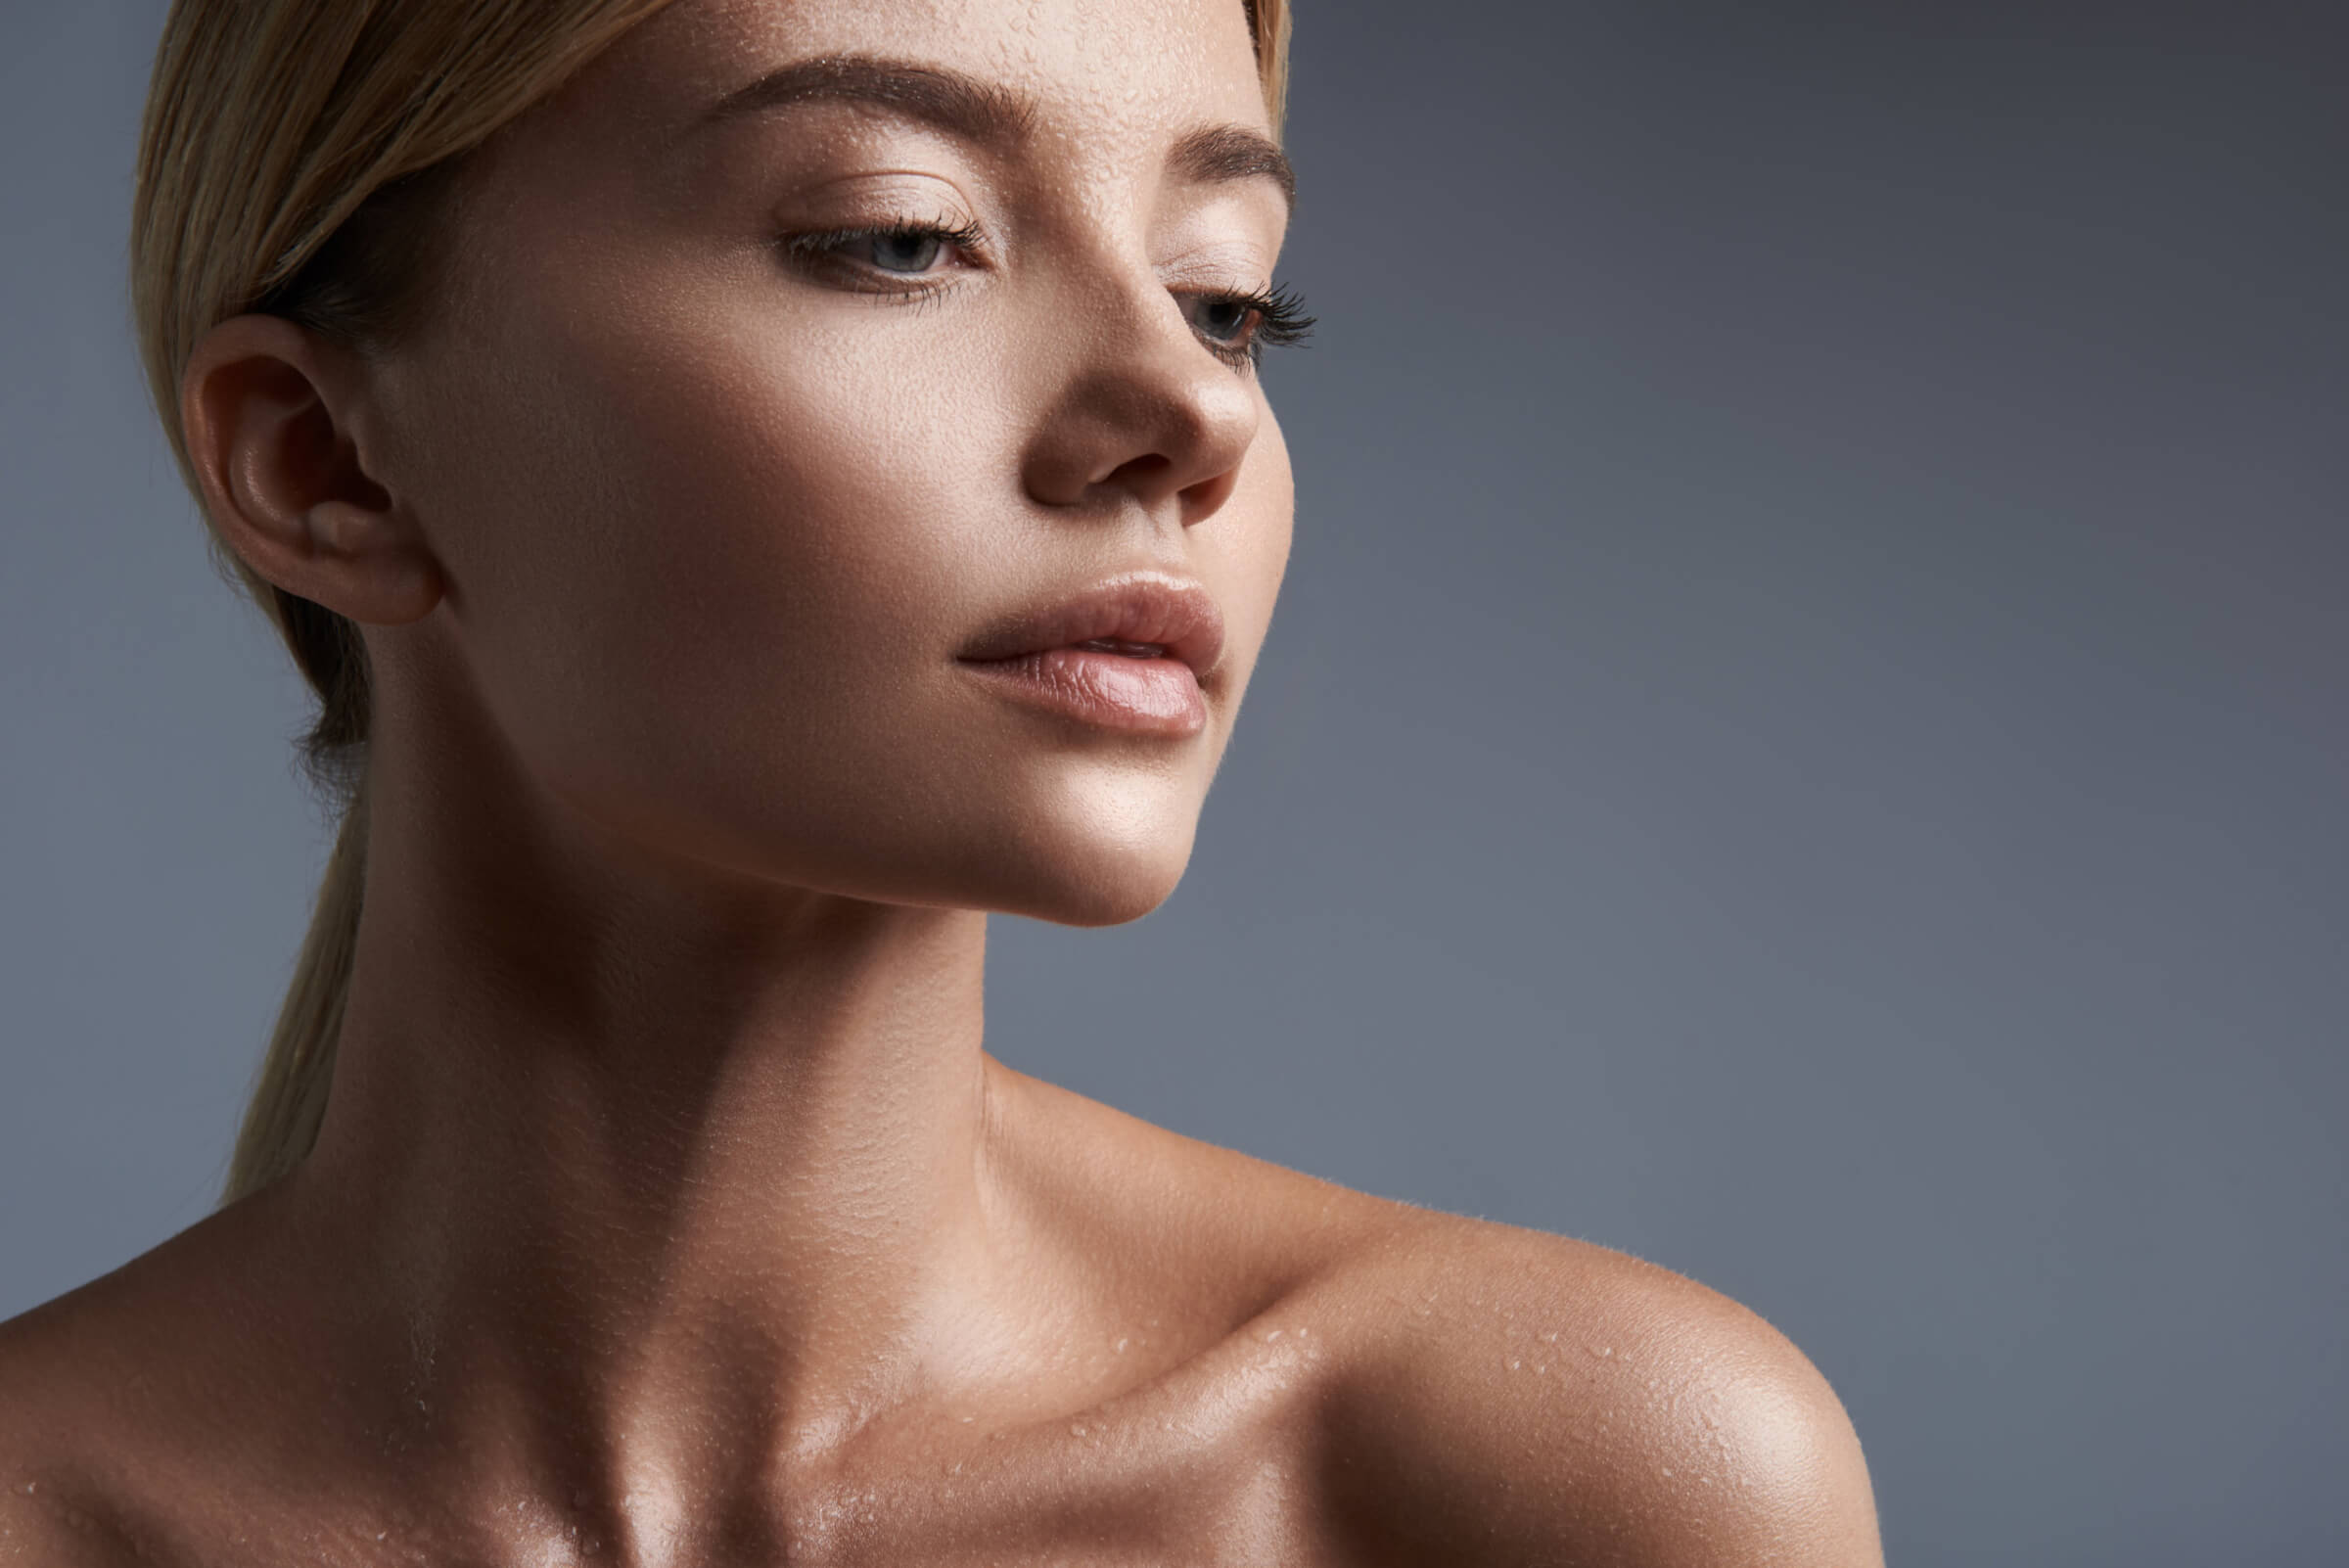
{"x":905,"y":253}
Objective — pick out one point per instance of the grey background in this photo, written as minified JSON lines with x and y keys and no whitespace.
{"x":1804,"y":739}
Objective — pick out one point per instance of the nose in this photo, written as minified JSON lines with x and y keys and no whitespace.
{"x":1143,"y":409}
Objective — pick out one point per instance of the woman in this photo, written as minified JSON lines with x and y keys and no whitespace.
{"x":757,"y":484}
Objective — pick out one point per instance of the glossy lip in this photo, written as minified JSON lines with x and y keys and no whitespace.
{"x":1041,"y":659}
{"x":1173,"y":613}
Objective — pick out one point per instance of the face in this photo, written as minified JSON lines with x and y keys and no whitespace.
{"x":725,"y":485}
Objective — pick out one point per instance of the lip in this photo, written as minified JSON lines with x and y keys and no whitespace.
{"x":1153,"y":607}
{"x":1037,"y":658}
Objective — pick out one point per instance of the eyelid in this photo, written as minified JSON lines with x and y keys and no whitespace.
{"x":1279,"y":320}
{"x":816,"y":248}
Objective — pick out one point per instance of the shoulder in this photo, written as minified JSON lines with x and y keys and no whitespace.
{"x":1452,"y":1390}
{"x":38,"y":1530}
{"x":1505,"y":1396}
{"x":52,"y":1512}
{"x":114,"y":1446}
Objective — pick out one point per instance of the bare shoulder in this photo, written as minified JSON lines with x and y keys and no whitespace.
{"x":56,"y":1532}
{"x":1505,"y":1396}
{"x":114,"y":1400}
{"x":1212,"y":1222}
{"x":33,"y":1531}
{"x":1459,"y":1391}
{"x":52,"y":1508}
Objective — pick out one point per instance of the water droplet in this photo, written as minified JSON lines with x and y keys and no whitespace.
{"x":1515,"y":1365}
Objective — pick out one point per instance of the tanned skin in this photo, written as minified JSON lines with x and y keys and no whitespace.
{"x":669,"y":1210}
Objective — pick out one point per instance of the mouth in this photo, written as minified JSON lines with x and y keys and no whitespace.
{"x":1127,"y":653}
{"x":1145,"y":615}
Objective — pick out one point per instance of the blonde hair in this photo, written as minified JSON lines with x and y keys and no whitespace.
{"x":290,"y":160}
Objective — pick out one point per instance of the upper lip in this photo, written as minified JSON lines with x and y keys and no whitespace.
{"x":1174,"y":612}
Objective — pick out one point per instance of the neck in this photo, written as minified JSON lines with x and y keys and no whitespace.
{"x":655,"y":1173}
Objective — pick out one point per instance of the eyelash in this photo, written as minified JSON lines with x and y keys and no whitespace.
{"x":1277,"y":315}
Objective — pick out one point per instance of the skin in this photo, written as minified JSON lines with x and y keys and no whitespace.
{"x":669,"y":1210}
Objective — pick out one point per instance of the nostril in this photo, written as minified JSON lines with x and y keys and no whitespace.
{"x":1146,"y":467}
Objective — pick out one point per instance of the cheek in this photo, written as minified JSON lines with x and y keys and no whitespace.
{"x":754,"y":481}
{"x":701,"y":528}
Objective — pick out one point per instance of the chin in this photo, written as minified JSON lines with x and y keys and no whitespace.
{"x":1085,"y":876}
{"x":1084,"y":841}
{"x":1110,"y":899}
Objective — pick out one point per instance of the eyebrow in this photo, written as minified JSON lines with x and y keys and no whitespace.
{"x":987,"y":113}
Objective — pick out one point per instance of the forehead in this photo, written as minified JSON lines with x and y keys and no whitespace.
{"x":1135,"y":69}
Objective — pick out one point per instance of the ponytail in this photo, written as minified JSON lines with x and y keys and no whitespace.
{"x":289,"y":1094}
{"x":292,"y":160}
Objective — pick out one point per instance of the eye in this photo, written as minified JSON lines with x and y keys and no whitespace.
{"x":1223,"y":315}
{"x":907,"y":249}
{"x":1240,"y":326}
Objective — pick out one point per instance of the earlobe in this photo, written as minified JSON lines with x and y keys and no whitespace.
{"x":268,"y":408}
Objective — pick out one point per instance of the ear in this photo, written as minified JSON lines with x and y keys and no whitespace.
{"x":270,"y":412}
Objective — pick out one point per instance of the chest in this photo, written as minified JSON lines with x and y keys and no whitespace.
{"x":1098,"y":1493}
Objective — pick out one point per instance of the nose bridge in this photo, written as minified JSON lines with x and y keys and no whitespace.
{"x":1143,"y":406}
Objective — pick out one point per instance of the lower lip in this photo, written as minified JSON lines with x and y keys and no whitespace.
{"x":1155,"y":696}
